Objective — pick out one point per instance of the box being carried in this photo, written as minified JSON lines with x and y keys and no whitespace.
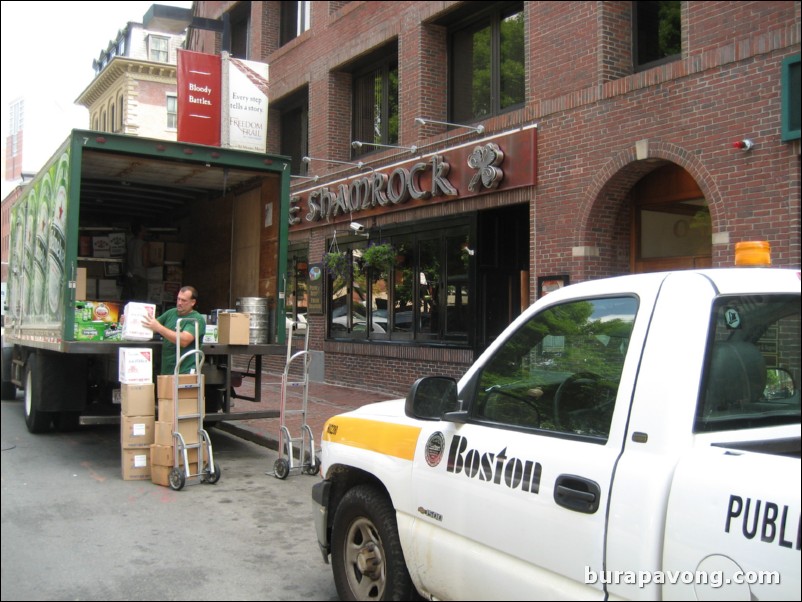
{"x":134,"y":314}
{"x":136,"y":365}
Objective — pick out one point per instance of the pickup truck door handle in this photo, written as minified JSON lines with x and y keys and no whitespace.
{"x":577,"y":493}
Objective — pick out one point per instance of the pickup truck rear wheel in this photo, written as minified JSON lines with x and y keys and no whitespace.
{"x":366,"y":555}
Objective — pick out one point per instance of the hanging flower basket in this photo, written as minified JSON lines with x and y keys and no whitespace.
{"x":379,"y":258}
{"x":337,"y":263}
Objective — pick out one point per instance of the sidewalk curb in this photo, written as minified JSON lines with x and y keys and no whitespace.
{"x":244,"y":432}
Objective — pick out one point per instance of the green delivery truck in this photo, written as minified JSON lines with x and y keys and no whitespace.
{"x":217,"y":219}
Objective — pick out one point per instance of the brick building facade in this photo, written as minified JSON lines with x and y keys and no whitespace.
{"x":606,"y":159}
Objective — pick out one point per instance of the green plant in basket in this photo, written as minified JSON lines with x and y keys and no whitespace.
{"x":380,"y":258}
{"x":337,"y":263}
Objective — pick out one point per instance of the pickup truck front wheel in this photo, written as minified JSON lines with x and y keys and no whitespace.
{"x":366,"y":555}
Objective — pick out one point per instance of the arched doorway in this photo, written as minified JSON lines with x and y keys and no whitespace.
{"x":671,"y":227}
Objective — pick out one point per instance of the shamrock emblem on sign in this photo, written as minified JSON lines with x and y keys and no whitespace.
{"x":484,"y":159}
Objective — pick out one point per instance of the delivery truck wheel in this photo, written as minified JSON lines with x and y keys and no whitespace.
{"x":36,"y":420}
{"x":366,"y":556}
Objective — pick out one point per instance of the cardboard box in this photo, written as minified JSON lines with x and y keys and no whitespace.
{"x":162,"y":455}
{"x":160,"y":475}
{"x":138,"y":400}
{"x":91,"y":287}
{"x":233,"y":328}
{"x":211,"y":333}
{"x":155,"y":274}
{"x":85,"y":246}
{"x":170,"y":291}
{"x":136,"y":431}
{"x":173,"y":273}
{"x":117,"y":244}
{"x":101,"y":246}
{"x":135,"y":365}
{"x":155,"y":292}
{"x":134,"y":314}
{"x":156,"y":253}
{"x":187,"y":428}
{"x":165,"y":384}
{"x":80,"y":284}
{"x":185,"y":407}
{"x":97,"y":311}
{"x":89,"y":331}
{"x":106,"y":311}
{"x":136,"y":464}
{"x":107,"y":289}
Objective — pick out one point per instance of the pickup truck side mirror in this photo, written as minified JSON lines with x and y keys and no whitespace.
{"x":430,"y":397}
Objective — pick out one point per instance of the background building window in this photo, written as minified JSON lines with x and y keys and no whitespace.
{"x":240,"y":21}
{"x":295,"y":19}
{"x":791,"y":86}
{"x":488,"y":64}
{"x":159,"y":49}
{"x":375,"y":112}
{"x":294,"y":129}
{"x":657,"y":33}
{"x":172,"y":112}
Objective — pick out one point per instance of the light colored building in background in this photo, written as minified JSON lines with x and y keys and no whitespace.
{"x":134,"y":90}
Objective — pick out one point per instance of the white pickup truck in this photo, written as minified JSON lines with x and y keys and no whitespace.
{"x":627,"y":438}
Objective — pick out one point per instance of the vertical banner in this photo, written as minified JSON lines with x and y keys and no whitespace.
{"x":199,"y":97}
{"x":245,"y":113}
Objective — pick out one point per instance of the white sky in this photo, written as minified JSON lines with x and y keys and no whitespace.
{"x":47,"y":53}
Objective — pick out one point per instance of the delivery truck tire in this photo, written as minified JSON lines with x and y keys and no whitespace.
{"x":36,"y":420}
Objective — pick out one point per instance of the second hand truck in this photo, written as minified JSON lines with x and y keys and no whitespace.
{"x":210,"y":473}
{"x":308,"y":462}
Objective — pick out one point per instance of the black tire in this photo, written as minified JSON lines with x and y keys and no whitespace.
{"x":281,"y":468}
{"x":36,"y":420}
{"x":366,"y":556}
{"x":313,"y":468}
{"x":212,"y":477}
{"x":8,"y":390}
{"x":177,"y":479}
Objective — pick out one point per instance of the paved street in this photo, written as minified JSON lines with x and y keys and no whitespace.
{"x":74,"y":530}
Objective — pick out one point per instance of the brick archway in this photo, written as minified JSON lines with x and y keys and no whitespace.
{"x":604,"y":214}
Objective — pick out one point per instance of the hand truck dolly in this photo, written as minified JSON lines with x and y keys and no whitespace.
{"x":307,"y":459}
{"x":208,"y":471}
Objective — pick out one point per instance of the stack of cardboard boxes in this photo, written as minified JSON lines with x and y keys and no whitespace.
{"x":188,"y":422}
{"x":137,"y":421}
{"x":148,"y":446}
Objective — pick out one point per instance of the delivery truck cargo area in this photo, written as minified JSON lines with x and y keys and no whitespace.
{"x":67,"y":276}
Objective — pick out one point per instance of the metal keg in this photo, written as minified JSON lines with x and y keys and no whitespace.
{"x":259,"y":311}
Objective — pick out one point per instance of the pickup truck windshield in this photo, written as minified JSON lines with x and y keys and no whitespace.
{"x":753,"y":364}
{"x":560,"y":371}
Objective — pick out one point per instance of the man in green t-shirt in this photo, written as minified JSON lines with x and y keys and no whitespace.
{"x":165,"y":325}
